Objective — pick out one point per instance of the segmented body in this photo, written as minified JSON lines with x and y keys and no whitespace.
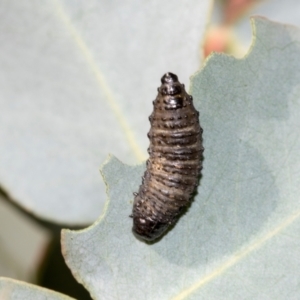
{"x":175,"y":161}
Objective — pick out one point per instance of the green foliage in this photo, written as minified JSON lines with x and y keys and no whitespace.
{"x":238,"y":238}
{"x":11,"y":289}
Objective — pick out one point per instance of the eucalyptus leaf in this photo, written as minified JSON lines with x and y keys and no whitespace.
{"x":74,"y":75}
{"x":11,"y":289}
{"x":240,"y":237}
{"x":276,"y":10}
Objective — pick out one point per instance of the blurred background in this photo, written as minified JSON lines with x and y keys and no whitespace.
{"x":77,"y":80}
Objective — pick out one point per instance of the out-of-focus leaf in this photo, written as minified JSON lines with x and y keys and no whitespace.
{"x":240,"y":238}
{"x":76,"y":82}
{"x":11,"y":289}
{"x":281,"y":11}
{"x":22,"y":243}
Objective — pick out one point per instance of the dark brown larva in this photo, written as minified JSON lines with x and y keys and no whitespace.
{"x":175,"y":161}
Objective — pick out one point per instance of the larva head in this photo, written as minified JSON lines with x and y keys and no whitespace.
{"x":147,"y":229}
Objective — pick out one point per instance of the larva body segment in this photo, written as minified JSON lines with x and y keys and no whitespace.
{"x":175,"y":161}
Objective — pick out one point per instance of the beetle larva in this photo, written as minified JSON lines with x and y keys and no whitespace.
{"x":175,"y":161}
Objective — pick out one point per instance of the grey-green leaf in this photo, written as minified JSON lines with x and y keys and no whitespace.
{"x":11,"y":289}
{"x":240,"y":237}
{"x":77,"y":81}
{"x":277,"y":10}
